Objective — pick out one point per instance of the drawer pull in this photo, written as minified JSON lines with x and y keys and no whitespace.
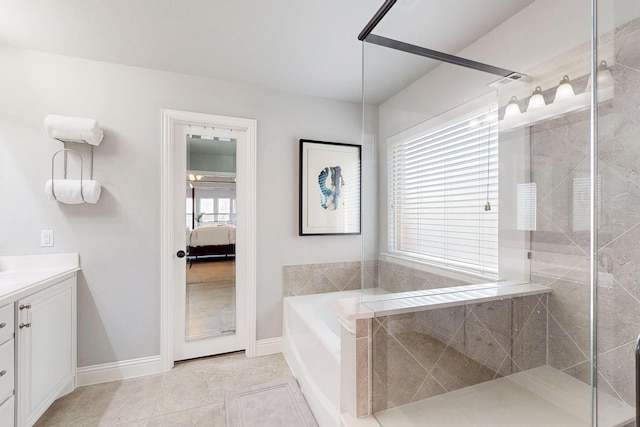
{"x":2,"y":325}
{"x":3,"y":373}
{"x":24,"y":325}
{"x":23,"y":306}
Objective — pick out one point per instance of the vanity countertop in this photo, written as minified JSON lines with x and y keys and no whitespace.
{"x":23,"y":275}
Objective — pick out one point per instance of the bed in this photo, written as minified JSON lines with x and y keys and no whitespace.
{"x":212,"y":239}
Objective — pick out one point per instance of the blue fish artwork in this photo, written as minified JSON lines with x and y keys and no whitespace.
{"x":329,"y":200}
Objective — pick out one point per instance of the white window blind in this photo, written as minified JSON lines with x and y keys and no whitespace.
{"x":439,"y":184}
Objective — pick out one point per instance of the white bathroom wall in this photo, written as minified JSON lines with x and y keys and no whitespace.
{"x":118,"y":239}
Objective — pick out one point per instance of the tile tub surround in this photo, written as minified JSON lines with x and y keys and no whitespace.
{"x":427,"y":353}
{"x":363,"y":367}
{"x":394,"y":277}
{"x":191,"y":394}
{"x":309,"y":279}
{"x":361,"y":325}
{"x":560,"y":248}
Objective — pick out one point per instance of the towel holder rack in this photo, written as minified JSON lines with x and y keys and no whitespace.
{"x":73,"y":132}
{"x":65,"y":151}
{"x":64,"y":143}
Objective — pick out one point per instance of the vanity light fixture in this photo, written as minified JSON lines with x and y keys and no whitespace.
{"x":603,"y":76}
{"x":565,"y":90}
{"x":536,"y":100}
{"x":192,"y":177}
{"x":512,"y":109}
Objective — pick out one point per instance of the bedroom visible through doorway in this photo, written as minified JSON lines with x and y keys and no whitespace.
{"x":211,"y":209}
{"x":213,"y":233}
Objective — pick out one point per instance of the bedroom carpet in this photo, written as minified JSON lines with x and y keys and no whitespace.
{"x":277,"y":403}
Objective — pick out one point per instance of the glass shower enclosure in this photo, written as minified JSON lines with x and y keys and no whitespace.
{"x":502,"y":263}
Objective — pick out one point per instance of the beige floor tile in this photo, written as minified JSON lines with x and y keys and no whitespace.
{"x":208,"y":415}
{"x":191,"y":394}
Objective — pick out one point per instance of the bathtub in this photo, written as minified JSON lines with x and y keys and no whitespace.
{"x":311,"y":334}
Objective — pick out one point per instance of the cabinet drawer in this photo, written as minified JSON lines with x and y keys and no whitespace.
{"x":6,"y":369}
{"x":6,"y":323}
{"x":7,"y":413}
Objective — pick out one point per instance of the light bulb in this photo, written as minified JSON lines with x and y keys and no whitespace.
{"x":565,"y":90}
{"x":536,"y":100}
{"x":603,"y":74}
{"x":512,"y":109}
{"x":192,"y":177}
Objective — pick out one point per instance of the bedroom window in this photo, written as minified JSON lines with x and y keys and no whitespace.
{"x":189,"y":212}
{"x":224,"y":210}
{"x":207,"y":206}
{"x":443,"y":196}
{"x":217,"y":209}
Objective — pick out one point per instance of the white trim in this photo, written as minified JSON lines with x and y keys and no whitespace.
{"x":171,"y":118}
{"x":114,"y":371}
{"x":269,"y":346}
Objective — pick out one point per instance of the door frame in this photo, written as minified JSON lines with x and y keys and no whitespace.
{"x":168,"y":247}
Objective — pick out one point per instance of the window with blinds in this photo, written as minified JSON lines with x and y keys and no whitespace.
{"x":443,"y":196}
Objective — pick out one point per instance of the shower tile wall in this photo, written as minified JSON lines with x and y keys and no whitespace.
{"x":619,"y":233}
{"x":560,"y":165}
{"x":423,"y":354}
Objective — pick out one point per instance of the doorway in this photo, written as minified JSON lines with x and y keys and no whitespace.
{"x":208,"y":235}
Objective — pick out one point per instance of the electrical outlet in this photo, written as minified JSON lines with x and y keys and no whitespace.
{"x":46,"y":237}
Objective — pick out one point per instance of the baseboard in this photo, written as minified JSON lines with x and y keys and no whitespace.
{"x":132,"y":368}
{"x":268,"y":346}
{"x":114,"y":371}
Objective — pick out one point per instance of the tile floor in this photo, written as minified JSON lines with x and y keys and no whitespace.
{"x":191,"y":394}
{"x":210,"y":310}
{"x":210,"y":298}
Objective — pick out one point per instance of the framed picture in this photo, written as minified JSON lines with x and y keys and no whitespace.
{"x":329,"y":188}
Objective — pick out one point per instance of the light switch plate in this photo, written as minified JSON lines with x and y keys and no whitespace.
{"x":46,"y":237}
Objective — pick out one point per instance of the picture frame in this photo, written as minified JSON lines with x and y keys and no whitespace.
{"x":330,"y":188}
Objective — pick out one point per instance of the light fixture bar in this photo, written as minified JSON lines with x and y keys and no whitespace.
{"x":375,"y":20}
{"x":440,"y":56}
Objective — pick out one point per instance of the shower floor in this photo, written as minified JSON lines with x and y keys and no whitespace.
{"x":537,"y":397}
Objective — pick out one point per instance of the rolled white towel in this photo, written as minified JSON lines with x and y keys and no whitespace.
{"x":68,"y":191}
{"x":74,"y":129}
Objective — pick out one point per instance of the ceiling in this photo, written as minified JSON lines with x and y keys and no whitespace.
{"x":307,"y":47}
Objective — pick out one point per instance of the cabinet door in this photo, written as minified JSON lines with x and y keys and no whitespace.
{"x":46,"y":341}
{"x":7,"y":413}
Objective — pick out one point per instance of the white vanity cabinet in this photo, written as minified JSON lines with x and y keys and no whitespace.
{"x":7,"y":374}
{"x":46,"y":349}
{"x":38,"y":343}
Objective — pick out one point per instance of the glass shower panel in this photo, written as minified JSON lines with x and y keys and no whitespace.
{"x":458,"y":340}
{"x":618,"y":298}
